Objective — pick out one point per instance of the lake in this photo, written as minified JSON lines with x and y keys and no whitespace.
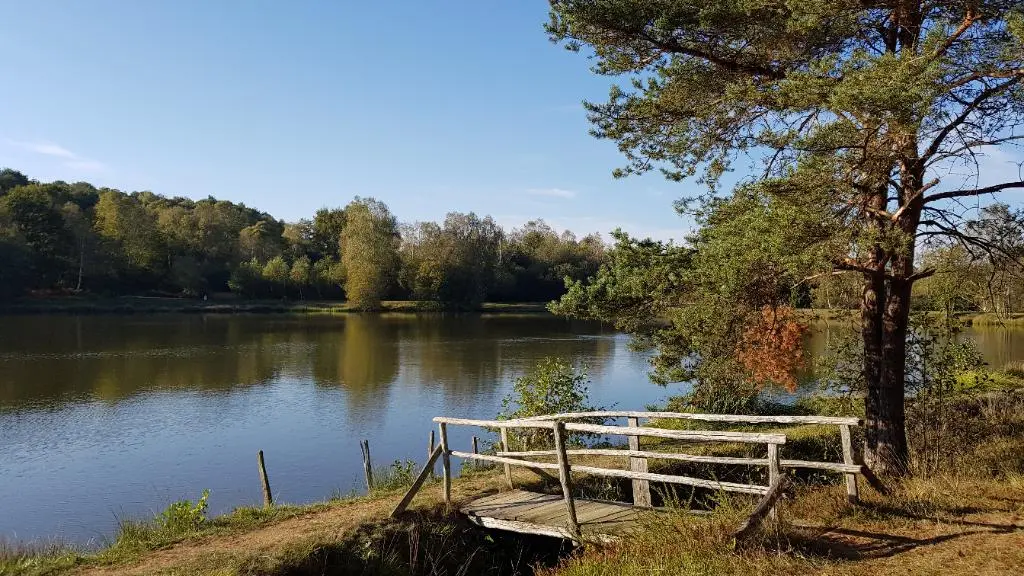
{"x":104,"y":417}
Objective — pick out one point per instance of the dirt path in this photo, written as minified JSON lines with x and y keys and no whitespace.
{"x":219,"y":554}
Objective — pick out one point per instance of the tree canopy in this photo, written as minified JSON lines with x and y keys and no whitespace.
{"x":60,"y":238}
{"x":853,"y":114}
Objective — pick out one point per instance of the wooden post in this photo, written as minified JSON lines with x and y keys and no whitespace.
{"x":430,"y":452}
{"x":851,"y":479}
{"x":505,"y":448}
{"x":565,"y":478}
{"x":763,"y":508}
{"x":424,"y":473}
{"x":641,"y":488}
{"x":367,"y":464}
{"x":268,"y":498}
{"x":446,"y":463}
{"x":774,"y":473}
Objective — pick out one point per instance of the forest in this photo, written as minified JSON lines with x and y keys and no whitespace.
{"x":58,"y":238}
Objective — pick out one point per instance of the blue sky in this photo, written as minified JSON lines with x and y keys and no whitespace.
{"x":289,"y":106}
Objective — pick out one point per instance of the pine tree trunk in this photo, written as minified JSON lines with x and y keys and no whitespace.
{"x":885,"y":314}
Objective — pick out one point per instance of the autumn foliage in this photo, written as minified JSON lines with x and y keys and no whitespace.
{"x":771,"y":348}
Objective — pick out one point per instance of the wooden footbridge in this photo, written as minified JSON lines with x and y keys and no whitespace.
{"x":578,"y":519}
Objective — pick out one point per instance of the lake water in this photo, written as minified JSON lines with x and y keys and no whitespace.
{"x":104,"y":417}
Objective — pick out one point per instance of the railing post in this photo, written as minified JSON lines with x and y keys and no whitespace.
{"x":446,"y":463}
{"x":851,"y":479}
{"x":565,"y":478}
{"x":505,"y":448}
{"x":641,"y":488}
{"x":268,"y":498}
{"x":774,"y":471}
{"x":430,"y":452}
{"x":364,"y":445}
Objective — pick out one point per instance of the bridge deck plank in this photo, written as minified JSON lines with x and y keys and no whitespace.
{"x":545,"y":514}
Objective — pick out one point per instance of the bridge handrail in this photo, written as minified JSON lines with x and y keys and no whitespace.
{"x":849,"y":466}
{"x":732,"y":418}
{"x":697,"y":435}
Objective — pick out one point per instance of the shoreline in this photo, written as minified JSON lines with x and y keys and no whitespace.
{"x":130,"y":305}
{"x":986,"y":319}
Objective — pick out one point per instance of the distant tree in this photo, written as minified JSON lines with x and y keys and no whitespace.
{"x":261,"y":240}
{"x":453,"y":264}
{"x":328,"y":277}
{"x":300,"y":274}
{"x":186,"y":274}
{"x":369,"y":248}
{"x":275,"y":272}
{"x":11,"y":179}
{"x":122,"y":220}
{"x":79,"y":224}
{"x":298,"y":239}
{"x":247,"y":279}
{"x":39,"y":227}
{"x":328,"y":224}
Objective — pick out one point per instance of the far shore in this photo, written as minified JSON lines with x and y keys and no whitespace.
{"x":1015,"y":319}
{"x":170,"y":305}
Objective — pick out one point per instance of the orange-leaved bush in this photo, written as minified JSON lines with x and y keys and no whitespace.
{"x":771,"y":349}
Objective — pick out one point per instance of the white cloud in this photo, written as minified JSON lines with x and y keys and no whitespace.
{"x":48,"y":149}
{"x":552,"y":192}
{"x":69,"y":159}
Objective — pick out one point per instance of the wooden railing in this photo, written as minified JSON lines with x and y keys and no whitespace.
{"x":559,"y":428}
{"x":850,"y":465}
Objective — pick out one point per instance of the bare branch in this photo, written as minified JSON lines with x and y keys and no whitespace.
{"x":973,"y":192}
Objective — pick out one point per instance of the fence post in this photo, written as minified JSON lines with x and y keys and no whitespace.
{"x":430,"y":452}
{"x":773,"y":473}
{"x":446,"y":463}
{"x":851,"y":479}
{"x":505,"y":448}
{"x":268,"y":498}
{"x":641,"y":488}
{"x":364,"y":446}
{"x":565,"y":478}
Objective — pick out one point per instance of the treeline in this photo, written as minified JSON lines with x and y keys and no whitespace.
{"x":71,"y":238}
{"x":984,"y":276}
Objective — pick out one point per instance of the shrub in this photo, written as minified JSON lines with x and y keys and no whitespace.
{"x":552,"y":387}
{"x":394,"y":475}
{"x":183,"y":515}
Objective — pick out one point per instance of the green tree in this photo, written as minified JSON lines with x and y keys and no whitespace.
{"x":300,"y":274}
{"x":261,"y":240}
{"x":851,"y":111}
{"x":122,"y":220}
{"x":37,"y":225}
{"x":11,"y":179}
{"x":453,"y":264}
{"x":247,"y":279}
{"x":276,"y":272}
{"x":369,"y":249}
{"x":326,"y":234}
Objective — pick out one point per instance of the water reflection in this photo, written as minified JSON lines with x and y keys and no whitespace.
{"x":108,"y":416}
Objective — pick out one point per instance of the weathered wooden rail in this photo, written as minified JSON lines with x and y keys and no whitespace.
{"x":850,"y":466}
{"x":522,"y":511}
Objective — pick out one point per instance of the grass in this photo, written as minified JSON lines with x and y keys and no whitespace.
{"x":965,"y":519}
{"x":157,"y":305}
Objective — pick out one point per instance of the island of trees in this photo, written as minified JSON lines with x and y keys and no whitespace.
{"x":60,"y":238}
